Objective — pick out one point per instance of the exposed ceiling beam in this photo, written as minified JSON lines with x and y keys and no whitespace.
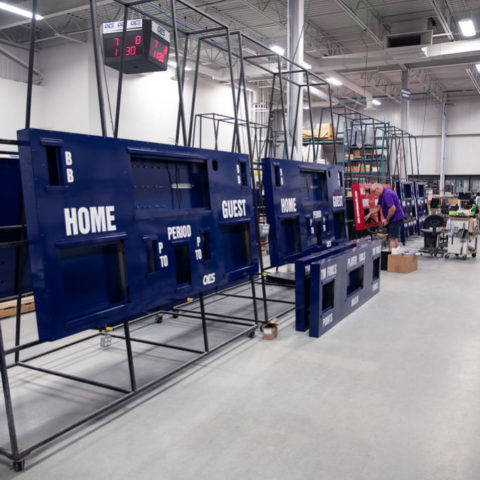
{"x":444,"y":15}
{"x":370,"y":22}
{"x":474,"y":76}
{"x":19,"y":61}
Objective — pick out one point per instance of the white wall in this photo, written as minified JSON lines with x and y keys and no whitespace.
{"x":67,"y":100}
{"x":13,"y":104}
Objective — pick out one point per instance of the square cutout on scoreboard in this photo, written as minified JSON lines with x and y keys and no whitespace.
{"x":290,"y":235}
{"x":237,"y":252}
{"x":355,"y":280}
{"x":314,"y":186}
{"x":93,"y":278}
{"x":170,"y":185}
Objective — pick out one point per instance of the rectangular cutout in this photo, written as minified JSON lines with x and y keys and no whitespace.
{"x":421,"y":191}
{"x":328,"y":296}
{"x":206,"y":245}
{"x":407,"y":189}
{"x":355,"y":280}
{"x":339,"y":225}
{"x":278,"y":177}
{"x":151,"y":246}
{"x":182,"y":264}
{"x":290,"y":235}
{"x":236,"y":246}
{"x":53,"y":164}
{"x":376,"y":268}
{"x":170,"y":184}
{"x":314,"y":185}
{"x":318,"y":229}
{"x":93,"y":277}
{"x":243,"y":174}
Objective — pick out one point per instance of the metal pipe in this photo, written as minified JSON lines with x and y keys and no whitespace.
{"x":120,"y":72}
{"x":31,"y":58}
{"x":101,"y":103}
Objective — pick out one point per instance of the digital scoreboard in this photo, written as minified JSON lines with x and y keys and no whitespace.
{"x":146,"y":49}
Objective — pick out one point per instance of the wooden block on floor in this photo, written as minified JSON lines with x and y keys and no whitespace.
{"x":9,"y":308}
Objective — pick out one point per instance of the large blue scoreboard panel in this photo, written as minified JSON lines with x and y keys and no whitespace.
{"x":119,"y":227}
{"x":11,"y":219}
{"x":305,"y":207}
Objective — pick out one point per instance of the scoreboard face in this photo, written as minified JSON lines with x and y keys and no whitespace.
{"x":120,"y":227}
{"x":146,"y":49}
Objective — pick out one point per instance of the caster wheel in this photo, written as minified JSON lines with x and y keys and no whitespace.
{"x":464,"y":257}
{"x":174,"y":315}
{"x":447,"y":256}
{"x":19,"y":466}
{"x":251,"y":334}
{"x":159,"y":318}
{"x":474,"y":255}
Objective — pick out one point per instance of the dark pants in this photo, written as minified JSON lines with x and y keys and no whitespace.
{"x":394,"y":228}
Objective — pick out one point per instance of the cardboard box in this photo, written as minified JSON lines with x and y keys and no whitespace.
{"x":323,"y":132}
{"x":270,"y":330}
{"x":402,"y":263}
{"x":326,"y":131}
{"x":357,"y":154}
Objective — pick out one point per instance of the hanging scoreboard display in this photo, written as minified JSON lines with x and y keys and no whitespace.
{"x":146,"y":49}
{"x":305,"y":205}
{"x":120,"y":227}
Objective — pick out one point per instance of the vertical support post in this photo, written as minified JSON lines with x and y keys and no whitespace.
{"x":31,"y":58}
{"x":204,"y":322}
{"x":252,"y":177}
{"x":254,"y":299}
{"x":282,"y":103}
{"x":404,"y":111}
{"x":181,"y":116}
{"x":295,"y":53}
{"x":19,"y":268}
{"x":194,"y":93}
{"x":8,"y":399}
{"x":128,"y":344}
{"x":101,"y":102}
{"x":181,"y":107}
{"x":443,"y":147}
{"x":120,"y":72}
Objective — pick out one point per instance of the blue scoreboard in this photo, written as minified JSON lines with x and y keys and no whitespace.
{"x":119,"y":227}
{"x":305,"y":207}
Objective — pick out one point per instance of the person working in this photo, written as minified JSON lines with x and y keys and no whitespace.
{"x":392,"y":211}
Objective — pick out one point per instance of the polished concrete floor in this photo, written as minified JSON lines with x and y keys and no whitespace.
{"x":392,"y":392}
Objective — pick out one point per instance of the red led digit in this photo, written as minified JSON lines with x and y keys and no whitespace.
{"x":138,"y":40}
{"x":165,"y":50}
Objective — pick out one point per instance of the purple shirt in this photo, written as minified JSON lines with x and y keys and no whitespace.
{"x":386,"y":200}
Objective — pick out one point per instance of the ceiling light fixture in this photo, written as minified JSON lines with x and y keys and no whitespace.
{"x":478,"y":67}
{"x":376,"y":102}
{"x":18,"y":11}
{"x":277,"y":49}
{"x":467,"y":27}
{"x":334,"y":81}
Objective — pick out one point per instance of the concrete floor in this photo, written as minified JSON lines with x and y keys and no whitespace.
{"x":392,"y":392}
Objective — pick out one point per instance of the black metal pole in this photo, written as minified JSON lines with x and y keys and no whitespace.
{"x":282,"y":101}
{"x":294,"y":142}
{"x":334,"y":133}
{"x":101,"y":103}
{"x":204,"y":322}
{"x":269,"y":136}
{"x":31,"y":58}
{"x":128,"y":344}
{"x":254,"y":300}
{"x":8,"y":398}
{"x":235,"y":110}
{"x":194,"y":93}
{"x":181,"y":115}
{"x":179,"y":76}
{"x":19,"y":268}
{"x":120,"y":72}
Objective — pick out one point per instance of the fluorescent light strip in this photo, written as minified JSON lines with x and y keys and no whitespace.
{"x":376,"y":102}
{"x":467,"y":27}
{"x":334,"y":81}
{"x":277,"y":49}
{"x":478,"y":67}
{"x":18,"y":11}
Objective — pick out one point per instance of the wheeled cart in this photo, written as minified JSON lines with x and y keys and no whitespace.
{"x":462,"y":237}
